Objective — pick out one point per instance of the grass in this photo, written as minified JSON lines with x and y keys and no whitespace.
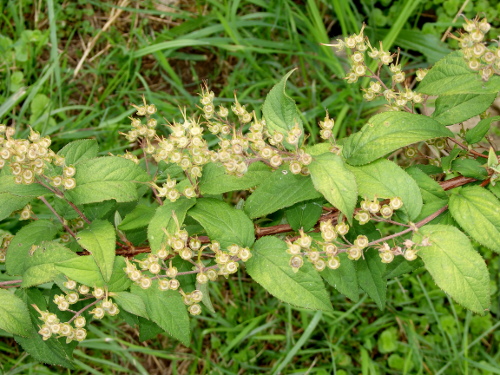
{"x":244,"y":47}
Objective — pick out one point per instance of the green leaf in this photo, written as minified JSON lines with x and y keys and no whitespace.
{"x":79,"y":151}
{"x":26,"y":240}
{"x":470,"y":168}
{"x":269,"y":266}
{"x":452,"y":109}
{"x":477,"y":133}
{"x":131,"y":303}
{"x":7,"y":185}
{"x":99,"y":240}
{"x":478,"y":213}
{"x":430,"y":189}
{"x":10,"y":203}
{"x":14,"y":315}
{"x":163,"y":219}
{"x":119,"y":281}
{"x":385,"y":179}
{"x":400,"y":266}
{"x":389,"y":131}
{"x":282,"y":189}
{"x":83,"y":270}
{"x":344,"y":278}
{"x":166,"y":309}
{"x":40,"y":266}
{"x":303,"y":215}
{"x":140,"y":217}
{"x":280,"y":112}
{"x":148,"y":329}
{"x":370,"y":271}
{"x":451,"y":76}
{"x":455,"y":266}
{"x":223,"y":222}
{"x":331,"y":178}
{"x":215,"y":180}
{"x":106,"y":178}
{"x":446,"y":160}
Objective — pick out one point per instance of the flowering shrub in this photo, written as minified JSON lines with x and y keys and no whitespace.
{"x":146,"y":232}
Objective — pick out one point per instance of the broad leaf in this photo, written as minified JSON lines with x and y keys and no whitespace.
{"x":477,"y":133}
{"x":400,"y":266}
{"x":429,"y":188}
{"x":455,"y":266}
{"x":344,"y":278}
{"x":139,"y":218}
{"x":166,"y":309}
{"x":106,"y":178}
{"x":385,"y":179}
{"x":370,"y":271}
{"x":451,"y":76}
{"x":470,"y":168}
{"x":303,"y":215}
{"x":223,"y":222}
{"x":79,"y":151}
{"x":452,"y":109}
{"x":331,"y":177}
{"x":282,"y":189}
{"x":119,"y":281}
{"x":131,"y":303}
{"x":8,"y":185}
{"x":478,"y":213}
{"x":269,"y":266}
{"x":389,"y":131}
{"x":280,"y":112}
{"x":40,"y":263}
{"x":83,"y":270}
{"x":10,"y":203}
{"x":14,"y":316}
{"x":164,"y":220}
{"x":215,"y":180}
{"x":25,"y":242}
{"x":99,"y":240}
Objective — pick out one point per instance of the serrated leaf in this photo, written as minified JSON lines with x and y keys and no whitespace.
{"x":10,"y":203}
{"x":163,"y":219}
{"x":385,"y":179}
{"x":331,"y":178}
{"x":40,"y":263}
{"x":478,"y":213}
{"x":14,"y":316}
{"x":370,"y":271}
{"x":430,"y":189}
{"x":223,"y":223}
{"x":8,"y":185}
{"x":26,"y":240}
{"x":400,"y":266}
{"x":451,"y":76}
{"x":148,"y":329}
{"x":119,"y":281}
{"x":469,"y":168}
{"x":99,"y":240}
{"x":106,"y":178}
{"x":303,"y":215}
{"x":139,"y":217}
{"x":280,"y":112}
{"x":452,"y":109}
{"x":455,"y":266}
{"x":389,"y":131}
{"x":166,"y":309}
{"x":215,"y":180}
{"x":131,"y":303}
{"x":344,"y":278}
{"x":83,"y":270}
{"x":477,"y":133}
{"x":78,"y":151}
{"x":281,"y":189}
{"x":269,"y":266}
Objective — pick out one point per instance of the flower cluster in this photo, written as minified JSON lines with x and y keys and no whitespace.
{"x":398,"y":98}
{"x":372,"y":209}
{"x":29,"y":158}
{"x":480,"y":57}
